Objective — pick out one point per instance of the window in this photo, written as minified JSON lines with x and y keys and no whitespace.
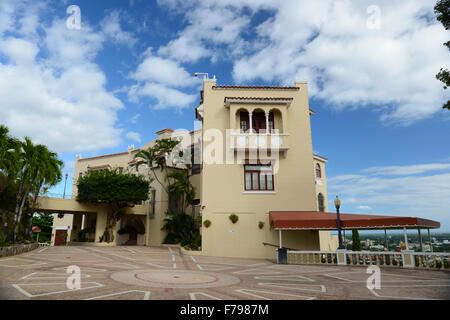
{"x":196,"y":168}
{"x":153,"y":204}
{"x":258,"y":177}
{"x":258,"y":122}
{"x":244,"y":122}
{"x":271,"y":122}
{"x":320,"y":200}
{"x":195,"y":160}
{"x":318,"y":171}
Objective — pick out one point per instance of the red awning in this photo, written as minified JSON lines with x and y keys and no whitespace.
{"x":313,"y":220}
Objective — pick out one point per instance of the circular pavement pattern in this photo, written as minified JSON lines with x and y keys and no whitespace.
{"x":174,"y":278}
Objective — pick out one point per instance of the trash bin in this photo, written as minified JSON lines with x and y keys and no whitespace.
{"x":282,"y":256}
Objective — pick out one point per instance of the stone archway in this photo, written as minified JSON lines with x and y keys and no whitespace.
{"x":133,"y":227}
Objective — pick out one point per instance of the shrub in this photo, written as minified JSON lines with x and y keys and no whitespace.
{"x":180,"y":228}
{"x":207,"y":223}
{"x":234,"y":218}
{"x":3,"y":237}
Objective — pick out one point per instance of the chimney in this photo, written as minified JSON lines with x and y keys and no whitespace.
{"x":164,"y":131}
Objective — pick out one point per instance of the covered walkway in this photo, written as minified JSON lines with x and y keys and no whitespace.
{"x":86,"y":214}
{"x":313,"y":220}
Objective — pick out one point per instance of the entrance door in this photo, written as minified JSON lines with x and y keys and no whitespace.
{"x":259,"y":122}
{"x":132,"y":237}
{"x":60,"y":236}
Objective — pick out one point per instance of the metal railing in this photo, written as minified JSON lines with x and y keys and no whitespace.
{"x":418,"y":260}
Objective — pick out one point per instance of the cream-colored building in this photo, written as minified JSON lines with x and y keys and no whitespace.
{"x":253,"y":155}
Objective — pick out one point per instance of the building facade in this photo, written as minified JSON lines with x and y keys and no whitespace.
{"x":252,"y":155}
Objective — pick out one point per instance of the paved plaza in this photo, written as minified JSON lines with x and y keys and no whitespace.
{"x":134,"y":272}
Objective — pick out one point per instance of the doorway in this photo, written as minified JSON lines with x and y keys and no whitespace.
{"x":60,"y":237}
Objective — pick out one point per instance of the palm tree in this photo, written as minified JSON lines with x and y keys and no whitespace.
{"x":48,"y":173}
{"x":9,"y":147}
{"x":156,"y":157}
{"x":182,"y":188}
{"x":27,"y":159}
{"x":38,"y":166}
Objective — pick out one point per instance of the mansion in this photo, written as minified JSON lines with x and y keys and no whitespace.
{"x":253,"y":155}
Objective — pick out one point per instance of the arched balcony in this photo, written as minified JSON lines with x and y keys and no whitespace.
{"x":258,"y":126}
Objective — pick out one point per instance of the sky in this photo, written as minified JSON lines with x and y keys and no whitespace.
{"x":94,"y":77}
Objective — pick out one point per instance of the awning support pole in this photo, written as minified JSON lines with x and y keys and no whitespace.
{"x":406,"y":238}
{"x":281,"y":243}
{"x":420,"y":240}
{"x":386,"y":240}
{"x":429,"y":239}
{"x":345,"y":240}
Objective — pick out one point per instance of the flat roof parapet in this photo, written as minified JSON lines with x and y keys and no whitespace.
{"x":257,"y":87}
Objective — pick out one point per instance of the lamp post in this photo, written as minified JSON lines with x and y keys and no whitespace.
{"x":65,"y":182}
{"x":337,"y":204}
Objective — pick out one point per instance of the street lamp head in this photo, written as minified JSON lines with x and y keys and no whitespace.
{"x":67,"y":175}
{"x":337,"y":203}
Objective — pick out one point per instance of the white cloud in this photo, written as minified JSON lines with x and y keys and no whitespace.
{"x":112,"y":29}
{"x":164,"y":71}
{"x":425,"y":196}
{"x":135,"y":118}
{"x":364,"y":207}
{"x":51,"y":88}
{"x":210,"y":25}
{"x":327,"y":43}
{"x":166,"y":97}
{"x":134,"y":136}
{"x":163,"y":80}
{"x":407,"y":170}
{"x":348,"y":65}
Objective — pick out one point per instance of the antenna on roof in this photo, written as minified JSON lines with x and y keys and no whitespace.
{"x":205,"y":75}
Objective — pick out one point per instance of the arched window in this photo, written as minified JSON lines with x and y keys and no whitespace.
{"x":320,"y":200}
{"x":318,"y":171}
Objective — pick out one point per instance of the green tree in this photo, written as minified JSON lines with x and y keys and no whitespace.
{"x":181,"y":188}
{"x":180,"y":228}
{"x":38,"y":166}
{"x":442,"y":11}
{"x":356,"y":245}
{"x":27,"y":159}
{"x":45,"y":222}
{"x":9,"y":149}
{"x":117,"y":190}
{"x":47,"y":172}
{"x":155,"y":157}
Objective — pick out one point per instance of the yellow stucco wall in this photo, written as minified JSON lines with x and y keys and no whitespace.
{"x":223,"y":184}
{"x":220,"y":187}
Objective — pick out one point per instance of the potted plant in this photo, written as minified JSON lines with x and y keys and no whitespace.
{"x":207,"y":223}
{"x":234,"y":218}
{"x":261,"y":224}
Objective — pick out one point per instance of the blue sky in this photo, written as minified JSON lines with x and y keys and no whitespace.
{"x":128,"y":72}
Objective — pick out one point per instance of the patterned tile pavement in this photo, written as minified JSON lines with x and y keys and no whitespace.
{"x":134,"y":273}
